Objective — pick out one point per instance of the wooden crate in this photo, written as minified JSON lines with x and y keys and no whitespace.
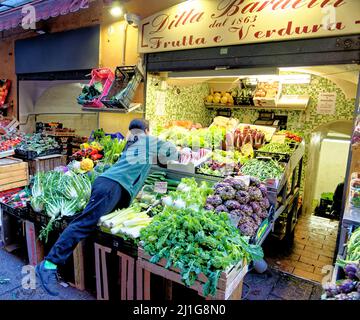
{"x":46,"y":163}
{"x":229,"y":286}
{"x":127,"y":274}
{"x":13,"y":174}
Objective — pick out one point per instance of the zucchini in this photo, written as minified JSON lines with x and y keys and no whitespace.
{"x":173,"y":183}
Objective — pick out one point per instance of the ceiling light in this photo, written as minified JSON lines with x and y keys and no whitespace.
{"x":116,"y":9}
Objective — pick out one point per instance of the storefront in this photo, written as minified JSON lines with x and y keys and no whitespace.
{"x":243,"y":89}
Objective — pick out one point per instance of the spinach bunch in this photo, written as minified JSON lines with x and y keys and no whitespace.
{"x":197,"y":242}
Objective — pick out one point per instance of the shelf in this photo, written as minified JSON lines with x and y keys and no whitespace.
{"x":133,"y":109}
{"x":227,"y":107}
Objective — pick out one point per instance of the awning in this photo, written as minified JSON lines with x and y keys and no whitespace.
{"x":34,"y":11}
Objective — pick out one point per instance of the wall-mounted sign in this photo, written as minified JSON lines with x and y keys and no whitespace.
{"x":212,"y":23}
{"x":326,"y":103}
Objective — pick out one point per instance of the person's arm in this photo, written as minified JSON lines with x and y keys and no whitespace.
{"x":166,"y":151}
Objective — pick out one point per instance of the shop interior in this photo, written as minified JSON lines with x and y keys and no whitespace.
{"x":313,"y":232}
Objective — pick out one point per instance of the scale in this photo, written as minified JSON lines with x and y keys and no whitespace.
{"x":268,"y":118}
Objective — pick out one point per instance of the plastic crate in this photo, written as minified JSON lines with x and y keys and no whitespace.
{"x":20,"y":213}
{"x":31,"y":155}
{"x":106,"y":77}
{"x":126,"y":78}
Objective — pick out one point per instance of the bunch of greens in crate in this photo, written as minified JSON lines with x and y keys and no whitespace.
{"x":195,"y":242}
{"x":91,"y":92}
{"x":59,"y":195}
{"x":38,"y":143}
{"x":275,"y":147}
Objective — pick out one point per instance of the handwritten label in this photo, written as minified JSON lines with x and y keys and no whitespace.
{"x":326,"y":103}
{"x":278,"y":138}
{"x":160,"y":187}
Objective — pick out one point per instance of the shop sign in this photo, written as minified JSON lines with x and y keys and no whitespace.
{"x":212,"y":23}
{"x":326,"y":103}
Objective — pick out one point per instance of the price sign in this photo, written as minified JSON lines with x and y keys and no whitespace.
{"x":278,"y":138}
{"x":160,"y":187}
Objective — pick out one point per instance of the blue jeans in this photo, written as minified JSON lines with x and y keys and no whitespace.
{"x":106,"y":196}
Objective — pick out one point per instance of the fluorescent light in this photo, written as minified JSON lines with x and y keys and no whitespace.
{"x":337,"y":140}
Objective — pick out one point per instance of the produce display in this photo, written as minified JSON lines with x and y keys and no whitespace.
{"x":291,"y":136}
{"x":209,"y":138}
{"x":183,"y":123}
{"x":126,"y":222}
{"x":348,"y":288}
{"x":186,"y":155}
{"x":10,"y":140}
{"x":356,"y":134}
{"x":267,"y":89}
{"x":39,"y":143}
{"x":195,"y":242}
{"x":243,"y":93}
{"x":4,"y":90}
{"x":218,"y":97}
{"x":355,"y":192}
{"x":59,"y":195}
{"x":274,"y":147}
{"x":268,"y":131}
{"x":17,"y":199}
{"x":263,"y":169}
{"x":247,"y":205}
{"x":245,"y":135}
{"x":226,"y":123}
{"x":161,"y":176}
{"x":223,"y":163}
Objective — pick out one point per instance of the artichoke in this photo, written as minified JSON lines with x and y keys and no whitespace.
{"x":264,"y":203}
{"x":232,"y":204}
{"x":214,"y":200}
{"x":226,"y":193}
{"x":247,"y":229}
{"x":246,"y":209}
{"x":256,"y":207}
{"x":255,"y":194}
{"x":209,"y":207}
{"x":263,"y":190}
{"x":346,"y":286}
{"x":263,"y":214}
{"x":352,"y":271}
{"x":256,"y":219}
{"x":221,"y":208}
{"x":242,"y":197}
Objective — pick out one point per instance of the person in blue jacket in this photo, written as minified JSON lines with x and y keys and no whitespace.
{"x":115,"y":188}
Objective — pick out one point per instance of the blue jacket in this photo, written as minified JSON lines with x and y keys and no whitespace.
{"x":134,"y":165}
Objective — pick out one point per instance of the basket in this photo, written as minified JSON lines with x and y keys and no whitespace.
{"x":123,"y":88}
{"x":106,"y":77}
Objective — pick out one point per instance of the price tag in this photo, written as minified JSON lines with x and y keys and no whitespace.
{"x":278,"y":138}
{"x":234,"y":218}
{"x":160,"y":187}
